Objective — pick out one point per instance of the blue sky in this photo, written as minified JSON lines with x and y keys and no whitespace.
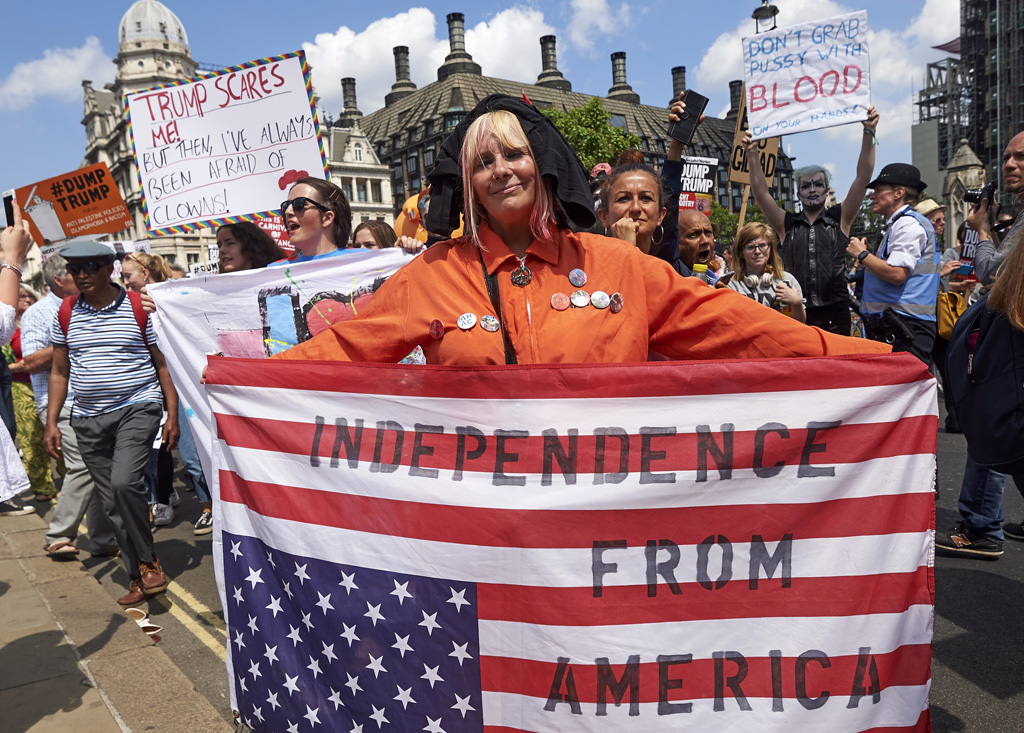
{"x":50,"y":47}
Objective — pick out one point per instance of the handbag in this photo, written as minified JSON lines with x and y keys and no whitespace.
{"x":948,"y":308}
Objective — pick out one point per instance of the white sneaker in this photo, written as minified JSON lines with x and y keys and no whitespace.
{"x":162,"y":515}
{"x":175,"y":499}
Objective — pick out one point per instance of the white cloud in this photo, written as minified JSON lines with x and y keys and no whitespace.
{"x":508,"y":46}
{"x":59,"y":73}
{"x":367,"y":57}
{"x":596,"y":16}
{"x":938,"y":23}
{"x":723,"y":61}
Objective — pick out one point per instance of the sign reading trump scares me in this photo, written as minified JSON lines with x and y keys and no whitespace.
{"x":808,"y":76}
{"x":225,"y":147}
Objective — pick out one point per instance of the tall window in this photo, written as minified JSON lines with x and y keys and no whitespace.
{"x":361,"y":191}
{"x":359,"y":153}
{"x":375,"y":191}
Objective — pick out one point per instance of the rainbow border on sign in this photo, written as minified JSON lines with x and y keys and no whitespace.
{"x":210,"y":223}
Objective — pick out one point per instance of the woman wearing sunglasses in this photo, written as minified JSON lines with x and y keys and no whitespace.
{"x":759,"y":274}
{"x":318,"y":219}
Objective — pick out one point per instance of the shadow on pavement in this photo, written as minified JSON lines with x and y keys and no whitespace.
{"x":985,"y":653}
{"x":37,"y":681}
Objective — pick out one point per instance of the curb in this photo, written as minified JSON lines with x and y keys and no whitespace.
{"x":142,"y":689}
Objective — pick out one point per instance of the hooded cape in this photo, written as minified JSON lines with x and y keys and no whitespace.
{"x":556,"y":162}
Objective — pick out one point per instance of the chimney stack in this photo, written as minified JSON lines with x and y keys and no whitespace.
{"x":458,"y":61}
{"x":550,"y":76}
{"x":735,"y":99}
{"x":403,"y":85}
{"x":678,"y":82}
{"x":620,"y":90}
{"x":351,"y":113}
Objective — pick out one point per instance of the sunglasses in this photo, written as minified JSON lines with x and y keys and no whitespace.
{"x":300,"y":203}
{"x":90,"y":266}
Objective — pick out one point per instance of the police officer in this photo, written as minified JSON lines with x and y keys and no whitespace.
{"x":902,"y":275}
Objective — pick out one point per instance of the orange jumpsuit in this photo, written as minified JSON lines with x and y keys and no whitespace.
{"x":681,"y":318}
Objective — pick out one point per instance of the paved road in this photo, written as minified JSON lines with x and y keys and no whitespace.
{"x":978,"y":676}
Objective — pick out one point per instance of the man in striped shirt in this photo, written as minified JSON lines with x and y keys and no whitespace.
{"x":106,"y":350}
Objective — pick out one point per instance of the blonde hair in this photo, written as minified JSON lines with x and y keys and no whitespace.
{"x":155,"y":265}
{"x":748,"y":234}
{"x":505,"y":128}
{"x":1007,"y":294}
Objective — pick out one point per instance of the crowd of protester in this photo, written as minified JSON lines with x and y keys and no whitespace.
{"x":91,"y":387}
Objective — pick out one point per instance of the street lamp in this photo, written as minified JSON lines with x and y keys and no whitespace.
{"x":766,"y":12}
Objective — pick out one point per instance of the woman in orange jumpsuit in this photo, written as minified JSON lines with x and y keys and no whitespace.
{"x":521,"y":287}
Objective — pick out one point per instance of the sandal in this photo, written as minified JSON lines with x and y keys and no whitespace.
{"x":62,"y":549}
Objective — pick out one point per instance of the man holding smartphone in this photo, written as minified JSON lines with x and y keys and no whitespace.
{"x":814,"y":240}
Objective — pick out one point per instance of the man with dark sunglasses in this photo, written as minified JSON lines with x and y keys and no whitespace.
{"x":105,"y":349}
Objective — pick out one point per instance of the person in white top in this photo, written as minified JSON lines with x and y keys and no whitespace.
{"x":15,"y":242}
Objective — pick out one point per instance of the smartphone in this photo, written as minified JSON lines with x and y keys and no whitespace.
{"x":964,"y":270}
{"x":8,"y":207}
{"x":684,"y":128}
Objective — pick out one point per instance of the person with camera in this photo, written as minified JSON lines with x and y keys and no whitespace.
{"x":991,"y":251}
{"x":901,"y":278}
{"x":813,"y":241}
{"x":981,"y":529}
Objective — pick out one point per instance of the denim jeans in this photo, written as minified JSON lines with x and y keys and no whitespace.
{"x":981,"y":500}
{"x":190,"y":456}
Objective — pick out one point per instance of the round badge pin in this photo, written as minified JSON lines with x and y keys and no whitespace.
{"x":467,"y":321}
{"x":580,"y":298}
{"x":578,"y":278}
{"x":560,"y":301}
{"x":489,"y":323}
{"x":600,"y":299}
{"x":436,"y":329}
{"x":616,"y":302}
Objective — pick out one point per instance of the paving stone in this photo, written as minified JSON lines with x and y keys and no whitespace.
{"x":170,"y":702}
{"x":57,"y":705}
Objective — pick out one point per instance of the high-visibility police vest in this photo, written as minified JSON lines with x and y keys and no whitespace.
{"x":916,"y":296}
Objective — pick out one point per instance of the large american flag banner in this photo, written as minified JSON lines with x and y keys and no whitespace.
{"x":710,"y":546}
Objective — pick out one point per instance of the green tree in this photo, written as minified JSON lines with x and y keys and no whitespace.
{"x":590,"y":135}
{"x":726,"y":222}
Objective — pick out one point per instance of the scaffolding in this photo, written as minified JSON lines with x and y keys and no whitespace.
{"x":992,"y":51}
{"x":946,"y":99}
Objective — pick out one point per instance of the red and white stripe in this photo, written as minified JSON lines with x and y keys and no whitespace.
{"x":862,"y":539}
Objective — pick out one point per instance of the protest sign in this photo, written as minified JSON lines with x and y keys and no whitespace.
{"x":274,"y":226}
{"x":509,"y":554}
{"x":225,"y":147}
{"x":965,"y":273}
{"x":808,"y":76}
{"x":768,"y":151}
{"x":699,"y":180}
{"x":80,"y":203}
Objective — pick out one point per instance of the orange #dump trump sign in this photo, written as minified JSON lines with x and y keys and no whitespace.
{"x":83,"y":202}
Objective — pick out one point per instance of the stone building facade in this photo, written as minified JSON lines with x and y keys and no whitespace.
{"x":408,"y":131}
{"x":153,"y":49}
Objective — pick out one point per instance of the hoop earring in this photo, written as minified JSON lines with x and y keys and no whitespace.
{"x":661,"y":235}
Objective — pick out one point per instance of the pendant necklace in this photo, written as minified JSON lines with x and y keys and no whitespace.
{"x":521,"y":276}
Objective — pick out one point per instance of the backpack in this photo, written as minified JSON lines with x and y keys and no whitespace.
{"x":141,"y":317}
{"x":985,"y":368}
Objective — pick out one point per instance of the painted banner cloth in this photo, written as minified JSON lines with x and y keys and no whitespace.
{"x":256,"y":313}
{"x":712,"y":546}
